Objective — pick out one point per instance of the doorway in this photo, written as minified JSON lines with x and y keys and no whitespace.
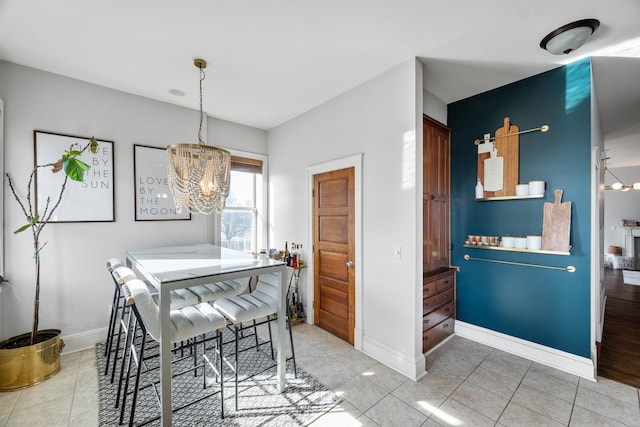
{"x":316,"y":269}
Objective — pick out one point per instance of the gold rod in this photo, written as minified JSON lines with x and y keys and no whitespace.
{"x":542,"y":128}
{"x":569,"y":268}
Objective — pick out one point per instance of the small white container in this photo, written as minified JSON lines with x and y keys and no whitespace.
{"x":520,"y":242}
{"x":534,"y":242}
{"x":507,"y":241}
{"x":536,"y":188}
{"x":522,"y":190}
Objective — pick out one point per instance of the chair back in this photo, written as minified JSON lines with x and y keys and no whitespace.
{"x":269,"y":285}
{"x":113,"y":263}
{"x":137,"y":293}
{"x":121,"y":275}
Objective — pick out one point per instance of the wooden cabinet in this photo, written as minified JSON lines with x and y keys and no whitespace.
{"x":438,"y":287}
{"x":435,"y":197}
{"x":438,"y":307}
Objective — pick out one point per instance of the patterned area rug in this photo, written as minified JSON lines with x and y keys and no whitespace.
{"x":304,"y":399}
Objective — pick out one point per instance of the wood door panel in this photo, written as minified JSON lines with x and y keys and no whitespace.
{"x":333,"y":193}
{"x":334,"y":232}
{"x":435,"y":204}
{"x":333,"y":229}
{"x":334,"y":265}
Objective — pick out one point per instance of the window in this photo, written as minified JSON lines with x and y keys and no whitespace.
{"x":241,"y":220}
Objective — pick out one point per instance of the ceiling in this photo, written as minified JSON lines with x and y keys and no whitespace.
{"x":270,"y":61}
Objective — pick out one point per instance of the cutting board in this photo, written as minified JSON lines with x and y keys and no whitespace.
{"x":484,"y":152}
{"x":508,"y":146}
{"x":556,"y":226}
{"x":493,"y":173}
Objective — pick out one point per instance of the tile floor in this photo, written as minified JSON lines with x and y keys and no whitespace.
{"x":468,"y":384}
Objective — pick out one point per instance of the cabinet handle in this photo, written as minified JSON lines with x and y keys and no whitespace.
{"x":446,"y":309}
{"x":426,"y":321}
{"x":445,"y":326}
{"x":426,"y":290}
{"x":446,"y":296}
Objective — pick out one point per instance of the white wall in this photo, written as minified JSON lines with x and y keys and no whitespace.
{"x":379,"y":119}
{"x":434,"y":107}
{"x":619,"y":205}
{"x":76,"y":288}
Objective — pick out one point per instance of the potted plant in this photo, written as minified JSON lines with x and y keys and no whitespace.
{"x":30,"y":358}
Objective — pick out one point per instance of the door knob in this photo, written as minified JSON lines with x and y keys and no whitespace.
{"x":349,"y":264}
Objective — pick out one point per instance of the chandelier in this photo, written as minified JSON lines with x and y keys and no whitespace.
{"x":199,"y":174}
{"x":618,"y":185}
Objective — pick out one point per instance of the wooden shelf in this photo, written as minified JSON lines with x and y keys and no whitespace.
{"x":531,"y":251}
{"x":530,"y":196}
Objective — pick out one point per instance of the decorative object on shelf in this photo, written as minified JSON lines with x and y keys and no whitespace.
{"x":619,"y":185}
{"x":199,"y":174}
{"x":484,"y":152}
{"x":153,"y":200}
{"x":91,"y":199}
{"x":522,"y":190}
{"x":569,"y":268}
{"x":31,"y":358}
{"x":479,"y":190}
{"x":534,"y":242}
{"x":494,"y":173}
{"x":556,"y":226}
{"x":508,"y":146}
{"x":569,"y":37}
{"x":536,"y":187}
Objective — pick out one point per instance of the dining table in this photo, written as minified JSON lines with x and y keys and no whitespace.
{"x":174,"y":267}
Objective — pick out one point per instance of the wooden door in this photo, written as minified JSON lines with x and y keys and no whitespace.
{"x":435,"y":201}
{"x":334,"y":252}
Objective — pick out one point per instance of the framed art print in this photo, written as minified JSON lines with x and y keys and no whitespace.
{"x":153,"y":198}
{"x":91,"y":200}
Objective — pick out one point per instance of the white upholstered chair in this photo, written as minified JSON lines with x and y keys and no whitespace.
{"x":187,"y":323}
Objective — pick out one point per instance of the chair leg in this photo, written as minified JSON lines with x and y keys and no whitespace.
{"x":112,"y":321}
{"x":220,"y":342}
{"x":130,"y":338}
{"x":115,"y":357}
{"x":293,"y":352}
{"x":235,"y":367}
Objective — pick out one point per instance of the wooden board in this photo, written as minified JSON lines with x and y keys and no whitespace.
{"x":494,"y":173}
{"x":556,"y":226}
{"x":508,"y":146}
{"x":481,"y":158}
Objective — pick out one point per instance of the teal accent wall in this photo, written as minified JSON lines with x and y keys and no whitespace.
{"x":548,"y":307}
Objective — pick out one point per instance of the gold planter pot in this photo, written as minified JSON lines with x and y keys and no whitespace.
{"x":28,"y":365}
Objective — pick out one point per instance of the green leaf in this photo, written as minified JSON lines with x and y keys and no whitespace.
{"x":93,"y":145}
{"x":75,"y":168}
{"x":32,"y":221}
{"x":73,"y":153}
{"x":21,"y":229}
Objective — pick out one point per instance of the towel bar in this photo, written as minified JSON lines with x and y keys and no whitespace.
{"x":569,"y":268}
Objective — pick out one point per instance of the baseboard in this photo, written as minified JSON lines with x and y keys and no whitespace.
{"x":83,"y":341}
{"x":567,"y":362}
{"x":413,"y":368}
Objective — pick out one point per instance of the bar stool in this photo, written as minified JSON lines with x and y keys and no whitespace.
{"x":179,"y":298}
{"x":261,"y":303}
{"x":187,"y":323}
{"x":116,"y":306}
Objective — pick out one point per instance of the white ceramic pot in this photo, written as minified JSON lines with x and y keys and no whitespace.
{"x":520,"y":242}
{"x":534,"y":242}
{"x":522,"y":190}
{"x":507,"y":241}
{"x":536,"y":187}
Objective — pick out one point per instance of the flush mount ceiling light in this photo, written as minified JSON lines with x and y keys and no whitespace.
{"x":569,"y":37}
{"x":199,"y":174}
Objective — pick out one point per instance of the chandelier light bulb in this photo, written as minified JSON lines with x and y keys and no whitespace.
{"x":636,"y":186}
{"x":616,"y":186}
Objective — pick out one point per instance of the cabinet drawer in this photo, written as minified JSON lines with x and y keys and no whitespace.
{"x":437,"y":316}
{"x":429,"y":288}
{"x":444,"y":283}
{"x":431,"y":303}
{"x":435,"y":335}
